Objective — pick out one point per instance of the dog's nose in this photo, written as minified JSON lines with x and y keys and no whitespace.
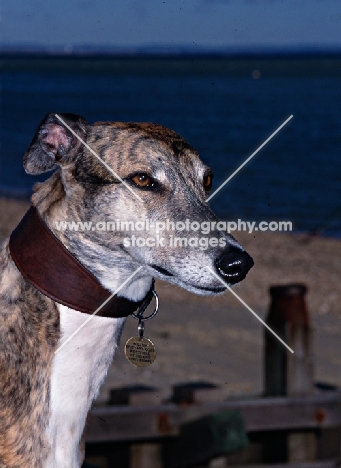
{"x":234,"y":265}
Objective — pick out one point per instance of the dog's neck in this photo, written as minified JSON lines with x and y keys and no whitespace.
{"x":73,"y":386}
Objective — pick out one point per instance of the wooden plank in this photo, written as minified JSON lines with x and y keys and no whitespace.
{"x":292,"y":412}
{"x":119,"y":423}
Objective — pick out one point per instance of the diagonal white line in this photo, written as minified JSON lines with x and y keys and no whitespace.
{"x":250,"y":157}
{"x":97,"y":310}
{"x":99,"y":159}
{"x":249,"y":308}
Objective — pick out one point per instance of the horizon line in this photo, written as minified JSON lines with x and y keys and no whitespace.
{"x":164,"y":50}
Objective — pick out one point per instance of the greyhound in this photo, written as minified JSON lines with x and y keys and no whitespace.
{"x":45,"y":395}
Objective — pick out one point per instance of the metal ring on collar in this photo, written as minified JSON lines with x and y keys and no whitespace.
{"x":140,"y":317}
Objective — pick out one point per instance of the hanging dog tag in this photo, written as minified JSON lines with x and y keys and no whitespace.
{"x":139,"y":350}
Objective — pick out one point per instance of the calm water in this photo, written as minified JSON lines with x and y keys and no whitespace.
{"x":218,"y":105}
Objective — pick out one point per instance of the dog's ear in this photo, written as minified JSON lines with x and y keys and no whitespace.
{"x":54,"y":144}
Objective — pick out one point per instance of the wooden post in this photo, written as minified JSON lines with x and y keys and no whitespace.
{"x":135,"y":395}
{"x":196,"y":393}
{"x":288,"y":374}
{"x":141,"y":455}
{"x":146,"y":456}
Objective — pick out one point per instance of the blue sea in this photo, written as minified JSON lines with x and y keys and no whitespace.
{"x":225,"y":106}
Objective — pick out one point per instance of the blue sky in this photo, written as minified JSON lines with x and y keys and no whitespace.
{"x":191,"y":23}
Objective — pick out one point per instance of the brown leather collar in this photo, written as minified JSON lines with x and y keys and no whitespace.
{"x":46,"y":264}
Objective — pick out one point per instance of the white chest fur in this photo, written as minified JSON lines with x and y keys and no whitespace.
{"x":77,"y":373}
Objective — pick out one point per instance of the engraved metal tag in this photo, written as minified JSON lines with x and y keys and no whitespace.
{"x":140,"y":351}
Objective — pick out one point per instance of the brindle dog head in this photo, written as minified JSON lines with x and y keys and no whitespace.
{"x":171,"y":184}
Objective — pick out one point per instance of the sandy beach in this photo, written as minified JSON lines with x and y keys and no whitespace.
{"x":217,"y":339}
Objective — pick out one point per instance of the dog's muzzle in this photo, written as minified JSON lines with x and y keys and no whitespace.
{"x":234,"y":265}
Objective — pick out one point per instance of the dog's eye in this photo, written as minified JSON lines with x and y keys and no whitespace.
{"x":143,"y":180}
{"x":207,"y":181}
